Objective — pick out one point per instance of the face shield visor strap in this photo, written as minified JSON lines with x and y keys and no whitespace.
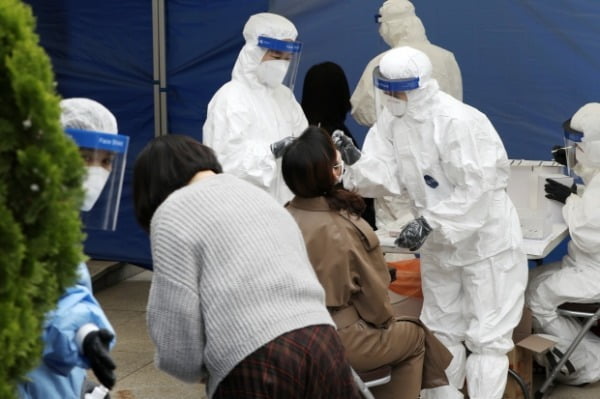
{"x":572,"y":141}
{"x":384,"y":87}
{"x":109,"y":151}
{"x":290,"y":51}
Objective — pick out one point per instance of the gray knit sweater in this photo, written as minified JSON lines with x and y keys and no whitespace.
{"x":231,"y":273}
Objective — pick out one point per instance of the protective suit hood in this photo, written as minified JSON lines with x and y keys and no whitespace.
{"x":262,"y":24}
{"x":399,"y":23}
{"x":405,"y":63}
{"x":86,"y":114}
{"x":587,"y":121}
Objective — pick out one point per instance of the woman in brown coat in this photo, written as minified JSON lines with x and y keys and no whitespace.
{"x":349,"y":263}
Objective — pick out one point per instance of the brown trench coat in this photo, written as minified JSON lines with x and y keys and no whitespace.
{"x":346,"y":255}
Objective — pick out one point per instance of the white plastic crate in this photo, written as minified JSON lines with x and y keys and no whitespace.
{"x":526,"y":189}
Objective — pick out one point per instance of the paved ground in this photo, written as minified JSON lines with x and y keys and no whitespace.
{"x":123,"y":295}
{"x":124,"y":303}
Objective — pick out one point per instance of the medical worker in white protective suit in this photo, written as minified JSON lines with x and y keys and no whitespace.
{"x":399,"y":26}
{"x":77,"y":334}
{"x":447,"y":157}
{"x":577,"y":277}
{"x":252,"y":117}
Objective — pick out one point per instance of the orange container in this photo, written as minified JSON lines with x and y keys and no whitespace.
{"x":408,"y":278}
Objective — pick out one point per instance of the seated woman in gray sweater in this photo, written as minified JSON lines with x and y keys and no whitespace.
{"x":234,"y":301}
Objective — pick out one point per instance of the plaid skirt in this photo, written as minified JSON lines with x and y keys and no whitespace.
{"x":307,"y":363}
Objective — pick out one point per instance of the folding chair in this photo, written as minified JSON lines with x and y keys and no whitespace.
{"x":372,"y":378}
{"x":589,"y":311}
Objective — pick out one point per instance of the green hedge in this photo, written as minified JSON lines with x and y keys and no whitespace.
{"x":40,"y":192}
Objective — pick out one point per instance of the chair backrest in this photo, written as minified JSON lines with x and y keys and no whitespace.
{"x":585,"y":310}
{"x":378,"y":376}
{"x":372,"y":378}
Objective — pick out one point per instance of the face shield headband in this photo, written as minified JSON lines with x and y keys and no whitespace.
{"x":279,"y":45}
{"x":386,"y":85}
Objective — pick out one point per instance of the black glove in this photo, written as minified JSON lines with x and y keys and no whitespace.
{"x":393,"y":272}
{"x":278,"y":147}
{"x":557,"y":191}
{"x":413,"y":235}
{"x":344,"y":144}
{"x":559,"y":154}
{"x":95,"y":348}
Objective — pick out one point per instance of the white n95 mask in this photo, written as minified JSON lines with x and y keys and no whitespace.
{"x":586,"y":173}
{"x":94,"y":183}
{"x":271,"y":73}
{"x":396,"y":106}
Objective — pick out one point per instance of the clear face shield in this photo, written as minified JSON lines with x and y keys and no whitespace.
{"x":583,"y":155}
{"x":104,"y":155}
{"x":572,"y":148}
{"x":280,"y":62}
{"x":390,"y":94}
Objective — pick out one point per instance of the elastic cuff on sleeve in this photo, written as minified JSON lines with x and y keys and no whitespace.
{"x":83,"y":332}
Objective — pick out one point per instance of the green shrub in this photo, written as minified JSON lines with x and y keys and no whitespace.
{"x":40,"y":192}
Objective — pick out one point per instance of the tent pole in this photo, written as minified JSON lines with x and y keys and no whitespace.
{"x":159,"y":68}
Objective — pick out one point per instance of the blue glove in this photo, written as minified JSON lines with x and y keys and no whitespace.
{"x":279,"y":146}
{"x":344,"y":144}
{"x":557,"y":191}
{"x":414,"y":234}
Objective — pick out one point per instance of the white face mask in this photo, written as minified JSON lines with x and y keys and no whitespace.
{"x":271,"y":72}
{"x":396,"y":106}
{"x":93,"y":185}
{"x":338,"y":169}
{"x":586,"y":173}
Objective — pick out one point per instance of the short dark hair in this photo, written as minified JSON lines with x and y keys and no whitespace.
{"x":307,"y":167}
{"x":164,"y":165}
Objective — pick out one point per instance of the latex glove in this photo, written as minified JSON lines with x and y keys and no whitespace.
{"x":557,"y":191}
{"x":278,"y":147}
{"x":350,"y":154}
{"x":95,"y":348}
{"x":559,"y":154}
{"x":414,"y":234}
{"x":393,"y":272}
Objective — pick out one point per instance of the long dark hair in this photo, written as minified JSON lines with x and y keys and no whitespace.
{"x":326,"y":97}
{"x":307,"y":167}
{"x":164,"y":165}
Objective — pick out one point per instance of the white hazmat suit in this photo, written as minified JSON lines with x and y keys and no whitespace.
{"x":577,"y":277}
{"x":247,"y":114}
{"x":449,"y":160}
{"x":399,"y":26}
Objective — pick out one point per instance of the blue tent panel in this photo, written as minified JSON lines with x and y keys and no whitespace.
{"x":528,"y":65}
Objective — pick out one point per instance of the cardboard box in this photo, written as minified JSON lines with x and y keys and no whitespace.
{"x":520,"y":359}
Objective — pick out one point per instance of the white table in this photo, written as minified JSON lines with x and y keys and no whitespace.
{"x":539,"y":249}
{"x":535,"y":249}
